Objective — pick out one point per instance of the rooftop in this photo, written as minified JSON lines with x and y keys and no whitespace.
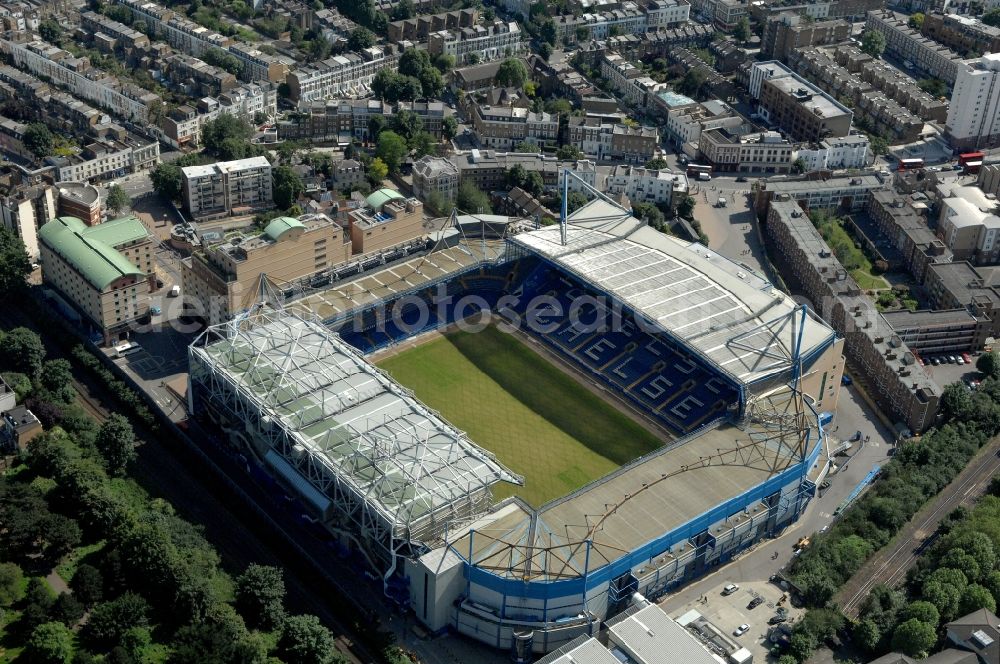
{"x":354,"y":422}
{"x":91,"y":249}
{"x":647,"y":632}
{"x":379,"y":198}
{"x":720,"y":309}
{"x":225,"y":167}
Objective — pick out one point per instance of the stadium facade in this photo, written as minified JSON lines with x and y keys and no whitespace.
{"x":741,"y":377}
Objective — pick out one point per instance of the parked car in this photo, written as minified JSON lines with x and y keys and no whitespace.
{"x":935,"y":361}
{"x":959,"y":360}
{"x":856,"y":437}
{"x":730,"y":589}
{"x":754,"y":603}
{"x":951,"y":359}
{"x":967,"y":358}
{"x":741,"y":178}
{"x":742,"y":629}
{"x":775,"y":620}
{"x":846,"y":380}
{"x":155,"y":310}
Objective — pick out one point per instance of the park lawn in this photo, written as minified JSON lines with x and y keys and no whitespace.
{"x":67,"y":567}
{"x":538,"y":421}
{"x":867,"y":281}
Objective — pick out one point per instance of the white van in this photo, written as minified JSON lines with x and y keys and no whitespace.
{"x":175,"y":290}
{"x":127,"y":348}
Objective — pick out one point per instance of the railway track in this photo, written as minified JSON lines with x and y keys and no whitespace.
{"x":919,"y":535}
{"x":164,"y":472}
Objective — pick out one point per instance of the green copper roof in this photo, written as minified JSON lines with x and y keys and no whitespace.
{"x":278,"y":227}
{"x":379,"y":198}
{"x":91,"y":250}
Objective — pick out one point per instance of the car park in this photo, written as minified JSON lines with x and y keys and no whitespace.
{"x":730,"y":589}
{"x":741,"y":630}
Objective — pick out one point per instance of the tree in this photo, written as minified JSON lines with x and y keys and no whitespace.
{"x":11,"y":584}
{"x":305,"y":640}
{"x":575,"y":201}
{"x":879,"y":145}
{"x":50,"y":643}
{"x":916,"y":21}
{"x":534,"y":184}
{"x":569,"y":152}
{"x":377,"y":172}
{"x":50,"y":30}
{"x":692,"y":82}
{"x":799,"y":165}
{"x":167,"y":180}
{"x":976,"y":597}
{"x":685,"y":206}
{"x":472,"y":200}
{"x":449,"y":127}
{"x":22,"y":350}
{"x":873,"y":43}
{"x":15,"y":264}
{"x":992,"y":17}
{"x":225,"y":134}
{"x":287,"y":187}
{"x":108,"y":622}
{"x":391,"y":149}
{"x":413,"y":62}
{"x":361,"y":38}
{"x":867,"y":634}
{"x":742,"y":29}
{"x":423,"y":143}
{"x":943,"y":596}
{"x":67,"y":609}
{"x":117,"y":200}
{"x":933,"y":86}
{"x":431,"y":82}
{"x":515,"y":176}
{"x":87,"y":585}
{"x":922,"y":611}
{"x":913,"y":638}
{"x":989,"y":364}
{"x":444,"y":62}
{"x":260,"y":596}
{"x":511,"y":73}
{"x":656,"y":164}
{"x":528,"y":147}
{"x":116,"y":443}
{"x":545,"y":51}
{"x":582,"y":33}
{"x":38,"y":140}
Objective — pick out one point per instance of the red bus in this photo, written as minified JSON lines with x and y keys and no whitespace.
{"x":910,"y":164}
{"x":971,"y":162}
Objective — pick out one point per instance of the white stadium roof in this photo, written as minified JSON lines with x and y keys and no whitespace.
{"x":724,"y":311}
{"x":353,"y":421}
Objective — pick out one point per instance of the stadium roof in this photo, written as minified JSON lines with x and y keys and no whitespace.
{"x":624,"y":510}
{"x":356,"y":425}
{"x":277,"y":227}
{"x":722,"y":310}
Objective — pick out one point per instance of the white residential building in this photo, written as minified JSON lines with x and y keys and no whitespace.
{"x":227,"y":187}
{"x":974,"y":113}
{"x":628,"y":20}
{"x":435,"y":175}
{"x":347,"y":75}
{"x":25,"y":211}
{"x":969,"y":223}
{"x":662,"y":14}
{"x":853,"y":151}
{"x":643,"y":185}
{"x":60,"y":68}
{"x":183,"y":125}
{"x":108,"y":158}
{"x":634,"y":87}
{"x":478,"y":43}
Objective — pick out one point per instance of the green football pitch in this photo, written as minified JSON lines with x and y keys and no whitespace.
{"x":539,"y":422}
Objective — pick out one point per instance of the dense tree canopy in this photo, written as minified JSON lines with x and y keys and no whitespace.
{"x":287,"y":188}
{"x":15,"y":264}
{"x":873,"y":43}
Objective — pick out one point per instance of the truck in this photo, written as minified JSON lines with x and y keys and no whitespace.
{"x":175,"y":290}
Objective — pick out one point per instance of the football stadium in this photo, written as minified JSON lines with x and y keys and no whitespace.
{"x":520,"y":429}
